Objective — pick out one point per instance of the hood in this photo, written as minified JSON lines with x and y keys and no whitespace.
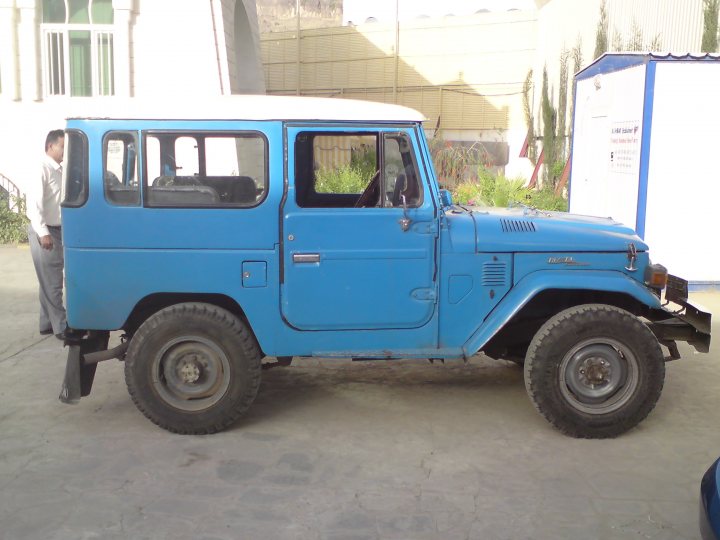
{"x":529,"y":230}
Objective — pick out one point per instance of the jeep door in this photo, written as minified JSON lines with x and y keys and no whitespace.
{"x":359,"y":231}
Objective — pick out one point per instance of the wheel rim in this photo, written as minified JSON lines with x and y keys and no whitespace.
{"x":191,"y":373}
{"x":598,"y":375}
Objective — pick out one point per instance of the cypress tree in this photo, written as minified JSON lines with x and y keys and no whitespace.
{"x":710,"y":26}
{"x":601,"y":35}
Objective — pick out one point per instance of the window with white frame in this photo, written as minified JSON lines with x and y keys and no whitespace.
{"x":77,"y":47}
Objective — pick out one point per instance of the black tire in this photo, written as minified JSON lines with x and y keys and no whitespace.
{"x":193,"y":368}
{"x":594,"y":371}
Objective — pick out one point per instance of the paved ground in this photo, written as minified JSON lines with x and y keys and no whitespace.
{"x":339,"y":450}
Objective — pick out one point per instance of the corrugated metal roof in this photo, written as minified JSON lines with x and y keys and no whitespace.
{"x":676,"y":24}
{"x":687,"y":56}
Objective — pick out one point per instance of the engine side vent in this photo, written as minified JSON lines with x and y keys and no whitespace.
{"x":517,"y":225}
{"x":494,"y":274}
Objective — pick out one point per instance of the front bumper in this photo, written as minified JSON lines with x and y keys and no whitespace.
{"x":682,"y":320}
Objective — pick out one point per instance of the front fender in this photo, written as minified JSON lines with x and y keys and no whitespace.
{"x":532,"y":284}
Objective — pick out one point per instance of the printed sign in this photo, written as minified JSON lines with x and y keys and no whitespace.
{"x":625,"y":147}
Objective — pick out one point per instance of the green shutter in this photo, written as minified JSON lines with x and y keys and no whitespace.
{"x":80,"y":66}
{"x":102,"y":12}
{"x":78,"y":12}
{"x":53,"y":11}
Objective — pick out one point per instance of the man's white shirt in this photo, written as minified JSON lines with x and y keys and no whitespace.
{"x":43,"y":198}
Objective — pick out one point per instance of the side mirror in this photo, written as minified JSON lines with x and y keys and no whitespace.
{"x":446,"y":198}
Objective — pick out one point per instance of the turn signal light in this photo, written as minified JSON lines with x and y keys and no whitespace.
{"x":656,"y":276}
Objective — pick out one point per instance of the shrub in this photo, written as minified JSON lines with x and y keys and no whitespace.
{"x":13,"y":225}
{"x":496,"y":190}
{"x":545,"y":199}
{"x":351,"y":178}
{"x":345,"y":179}
{"x":455,"y":163}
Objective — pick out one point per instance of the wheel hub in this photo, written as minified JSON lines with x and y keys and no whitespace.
{"x":192,"y":373}
{"x":189,"y":371}
{"x":597,"y":375}
{"x":595,"y":371}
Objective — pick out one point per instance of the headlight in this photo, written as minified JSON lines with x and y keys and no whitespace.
{"x":656,"y":276}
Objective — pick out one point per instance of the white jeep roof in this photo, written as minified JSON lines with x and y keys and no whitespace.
{"x":242,"y":107}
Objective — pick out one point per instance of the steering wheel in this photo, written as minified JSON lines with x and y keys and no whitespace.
{"x":370,"y":192}
{"x":111,"y":179}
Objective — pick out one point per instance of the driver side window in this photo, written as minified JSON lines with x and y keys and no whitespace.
{"x":336,"y":170}
{"x":355,"y":170}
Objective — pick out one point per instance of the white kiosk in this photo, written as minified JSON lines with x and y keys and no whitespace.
{"x":646,"y":152}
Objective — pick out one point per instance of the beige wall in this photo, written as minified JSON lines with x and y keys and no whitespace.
{"x":468,"y":71}
{"x":464,"y":73}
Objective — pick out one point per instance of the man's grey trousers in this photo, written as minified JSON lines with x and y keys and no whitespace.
{"x":49,"y":268}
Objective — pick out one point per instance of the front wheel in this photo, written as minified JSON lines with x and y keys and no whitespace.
{"x":594,"y":371}
{"x":193,"y":368}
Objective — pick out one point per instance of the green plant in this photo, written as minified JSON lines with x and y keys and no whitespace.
{"x":454,"y":164}
{"x":529,"y":119}
{"x":545,"y":199}
{"x":509,"y":191}
{"x":469,"y":193}
{"x":365,"y":160}
{"x":601,"y":34}
{"x":491,"y":190}
{"x":345,"y":179}
{"x":13,"y":224}
{"x":497,"y":190}
{"x":577,"y":59}
{"x":710,"y":25}
{"x":549,"y":116}
{"x":562,"y":102}
{"x":635,"y":41}
{"x":350,"y":178}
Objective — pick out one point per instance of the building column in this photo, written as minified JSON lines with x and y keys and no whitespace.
{"x":123,"y":12}
{"x":29,"y":52}
{"x":8,"y":51}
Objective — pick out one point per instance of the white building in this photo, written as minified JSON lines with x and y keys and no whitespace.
{"x":57,"y":54}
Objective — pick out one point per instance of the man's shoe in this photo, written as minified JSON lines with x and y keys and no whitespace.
{"x":46,"y":332}
{"x":70,"y":333}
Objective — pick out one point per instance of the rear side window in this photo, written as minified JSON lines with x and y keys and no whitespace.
{"x":75,"y":169}
{"x":121,"y":169}
{"x":205,"y":169}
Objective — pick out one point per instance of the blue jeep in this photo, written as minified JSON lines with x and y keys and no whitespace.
{"x":218,"y":234}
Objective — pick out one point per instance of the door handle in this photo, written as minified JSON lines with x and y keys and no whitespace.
{"x":306,"y":257}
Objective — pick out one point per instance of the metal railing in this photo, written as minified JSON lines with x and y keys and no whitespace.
{"x":10,"y":194}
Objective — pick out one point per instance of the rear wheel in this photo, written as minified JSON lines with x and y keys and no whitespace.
{"x":193,"y":368}
{"x":594,"y":371}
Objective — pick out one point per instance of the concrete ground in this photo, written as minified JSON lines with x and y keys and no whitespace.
{"x":340,"y":450}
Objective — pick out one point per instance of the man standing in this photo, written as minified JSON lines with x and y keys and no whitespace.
{"x":45,"y":237}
